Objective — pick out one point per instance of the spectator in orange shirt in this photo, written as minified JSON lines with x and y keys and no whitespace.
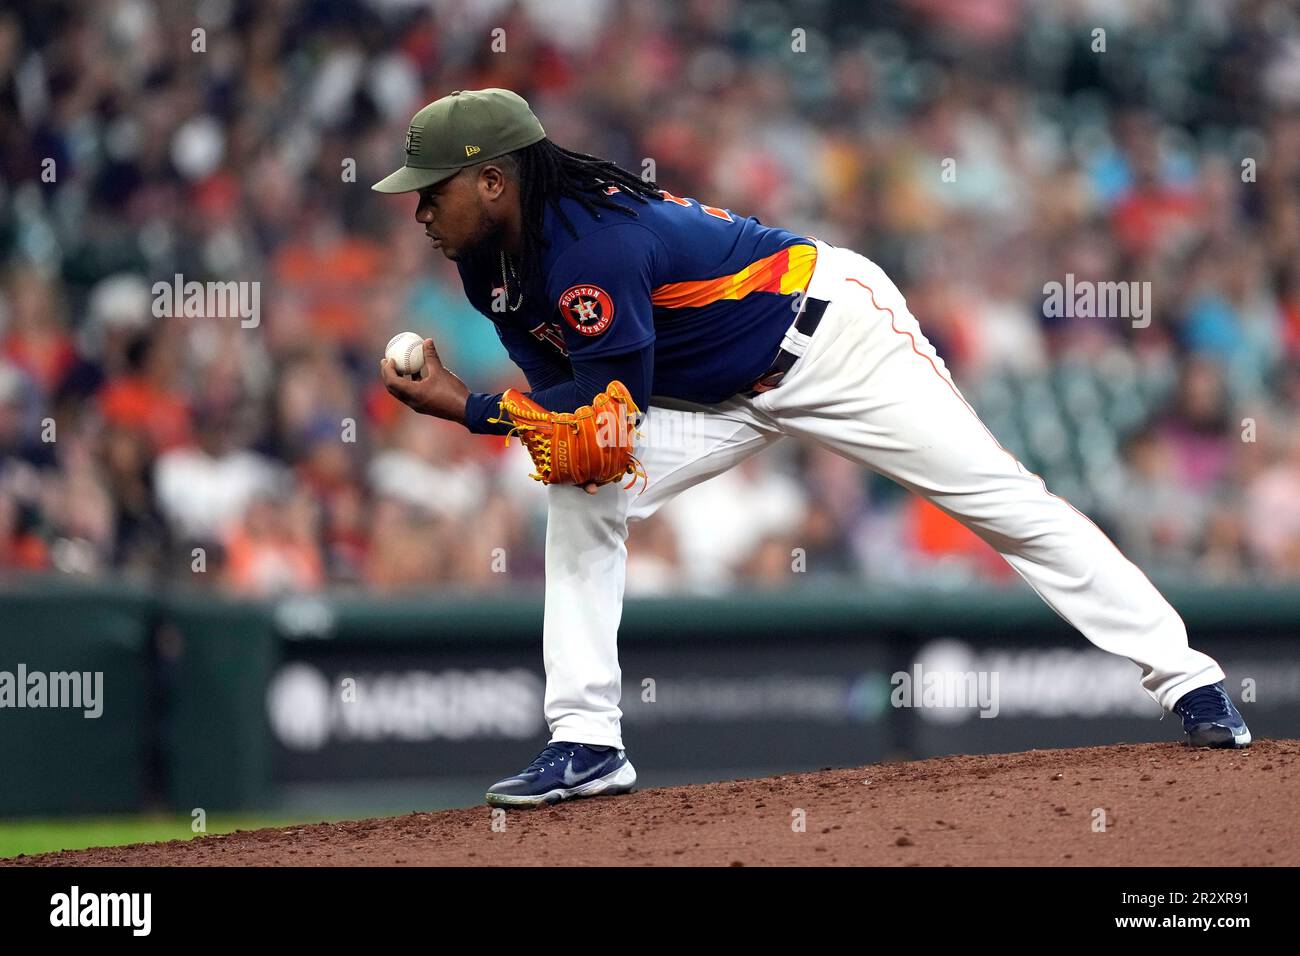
{"x":36,"y":341}
{"x":273,"y":549}
{"x":146,"y":399}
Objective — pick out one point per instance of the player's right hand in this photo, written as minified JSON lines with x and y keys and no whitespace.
{"x":438,"y":392}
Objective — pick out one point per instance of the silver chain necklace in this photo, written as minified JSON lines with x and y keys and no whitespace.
{"x":505,"y":285}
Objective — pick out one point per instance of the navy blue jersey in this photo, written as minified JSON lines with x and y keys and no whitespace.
{"x":696,"y":295}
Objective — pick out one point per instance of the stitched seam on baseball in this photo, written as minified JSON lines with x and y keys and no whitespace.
{"x":410,"y":355}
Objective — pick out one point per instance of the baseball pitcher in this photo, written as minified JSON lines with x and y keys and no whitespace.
{"x":621,"y":302}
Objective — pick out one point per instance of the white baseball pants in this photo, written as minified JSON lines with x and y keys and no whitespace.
{"x":870,"y":387}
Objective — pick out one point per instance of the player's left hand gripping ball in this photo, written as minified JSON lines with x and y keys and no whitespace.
{"x":592,"y":445}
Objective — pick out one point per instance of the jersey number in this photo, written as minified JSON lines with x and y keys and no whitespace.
{"x":548,"y":332}
{"x":713,"y":211}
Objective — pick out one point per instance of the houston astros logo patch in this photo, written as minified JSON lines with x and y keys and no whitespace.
{"x":588,"y":308}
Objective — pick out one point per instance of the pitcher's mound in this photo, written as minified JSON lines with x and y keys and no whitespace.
{"x":1129,"y":804}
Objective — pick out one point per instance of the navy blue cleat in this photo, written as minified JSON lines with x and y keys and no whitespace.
{"x":565,"y":771}
{"x":1210,"y":718}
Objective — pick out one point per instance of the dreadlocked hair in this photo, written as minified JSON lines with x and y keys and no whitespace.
{"x":547,"y":173}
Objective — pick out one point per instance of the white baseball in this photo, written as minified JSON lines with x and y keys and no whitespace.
{"x":406,"y":349}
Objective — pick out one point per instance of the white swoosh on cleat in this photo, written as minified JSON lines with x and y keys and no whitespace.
{"x":571,"y":778}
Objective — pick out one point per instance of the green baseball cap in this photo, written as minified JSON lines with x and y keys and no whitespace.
{"x":459,"y":130}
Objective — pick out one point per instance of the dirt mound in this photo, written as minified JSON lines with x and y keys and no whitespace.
{"x":1163,"y":804}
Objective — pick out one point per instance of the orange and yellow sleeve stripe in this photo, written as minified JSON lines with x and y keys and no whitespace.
{"x":785,"y":271}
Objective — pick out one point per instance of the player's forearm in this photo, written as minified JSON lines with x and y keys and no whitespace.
{"x":452,"y":408}
{"x":479,"y":407}
{"x":590,"y":376}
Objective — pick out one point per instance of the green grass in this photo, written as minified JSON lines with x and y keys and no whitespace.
{"x":43,"y":836}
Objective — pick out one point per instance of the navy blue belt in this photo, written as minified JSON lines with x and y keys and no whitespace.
{"x":809,"y":319}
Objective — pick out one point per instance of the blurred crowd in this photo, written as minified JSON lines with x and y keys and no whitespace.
{"x":976,"y":151}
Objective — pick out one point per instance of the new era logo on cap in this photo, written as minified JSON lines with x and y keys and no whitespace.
{"x":471,"y":150}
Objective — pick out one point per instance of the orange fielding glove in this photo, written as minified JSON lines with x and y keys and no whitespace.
{"x":593,"y":443}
